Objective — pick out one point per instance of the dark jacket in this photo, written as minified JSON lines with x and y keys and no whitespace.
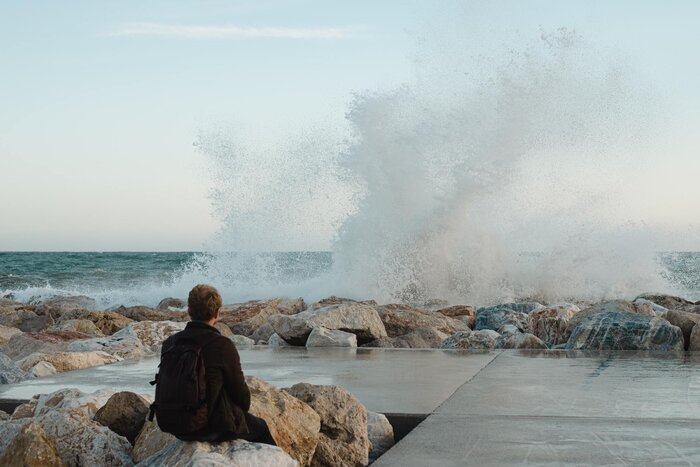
{"x":228,"y":397}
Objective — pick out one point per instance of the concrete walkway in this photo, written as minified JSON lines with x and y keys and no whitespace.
{"x":555,"y":408}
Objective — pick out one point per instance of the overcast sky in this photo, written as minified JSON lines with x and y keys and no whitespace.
{"x":100,"y":102}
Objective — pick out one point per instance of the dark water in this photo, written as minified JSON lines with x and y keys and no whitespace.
{"x":144,"y":278}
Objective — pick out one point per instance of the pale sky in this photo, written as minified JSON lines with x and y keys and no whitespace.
{"x":101,"y":102}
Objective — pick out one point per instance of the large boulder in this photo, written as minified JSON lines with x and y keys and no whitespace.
{"x":263,"y":333}
{"x":150,"y":440}
{"x":361,"y":320}
{"x":124,"y":413}
{"x":134,"y":341}
{"x":625,"y":331}
{"x":69,"y":399}
{"x":684,"y":320}
{"x":9,"y":371}
{"x":551,"y":324}
{"x":669,"y":302}
{"x":23,"y":317}
{"x":494,"y":317}
{"x":31,"y":448}
{"x":144,"y":313}
{"x":84,"y":326}
{"x":400,"y":320}
{"x":68,"y":361}
{"x":344,"y":440}
{"x":322,"y":337}
{"x":381,"y":434}
{"x":276,"y":341}
{"x":246,"y":318}
{"x":611,"y":306}
{"x":694,"y":341}
{"x":242,"y":342}
{"x":464,"y":313}
{"x":21,"y":345}
{"x":485,"y":339}
{"x":294,"y":425}
{"x":57,"y":305}
{"x":41,"y":369}
{"x":424,"y":338}
{"x":513,"y":338}
{"x":237,"y":453}
{"x":6,"y":333}
{"x":172,"y":304}
{"x":108,"y":322}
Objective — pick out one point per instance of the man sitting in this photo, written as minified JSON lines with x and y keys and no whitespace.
{"x":227,"y":395}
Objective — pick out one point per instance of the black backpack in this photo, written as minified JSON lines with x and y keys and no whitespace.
{"x":180,"y":406}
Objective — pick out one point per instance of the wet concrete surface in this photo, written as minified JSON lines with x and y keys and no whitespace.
{"x":495,"y":408}
{"x":558,"y":408}
{"x":385,"y":380}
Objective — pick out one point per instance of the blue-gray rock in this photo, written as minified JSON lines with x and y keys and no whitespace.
{"x":9,"y":371}
{"x":494,"y":318}
{"x":524,"y":307}
{"x":625,"y":331}
{"x":485,"y":339}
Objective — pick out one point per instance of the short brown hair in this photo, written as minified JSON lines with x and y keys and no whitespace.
{"x":203,"y":302}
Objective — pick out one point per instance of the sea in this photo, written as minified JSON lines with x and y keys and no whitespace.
{"x":130,"y":278}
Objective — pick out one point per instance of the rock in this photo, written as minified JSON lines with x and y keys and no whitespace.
{"x":551,"y":324}
{"x":276,"y":341}
{"x":4,"y":416}
{"x":294,"y":424}
{"x":522,"y":307}
{"x":460,"y":311}
{"x":124,"y":413}
{"x":68,"y":361}
{"x":658,"y":309}
{"x":694,"y":341}
{"x":512,"y":338}
{"x":611,"y":306}
{"x":263,"y":333}
{"x":108,"y":322}
{"x":424,"y":338}
{"x":9,"y":371}
{"x":684,"y":320}
{"x":223,"y":329}
{"x":6,"y":333}
{"x":31,"y":448}
{"x":242,"y":342}
{"x":25,"y":410}
{"x":485,"y":339}
{"x":172,"y":304}
{"x":343,"y":440}
{"x":361,"y":320}
{"x":333,"y":300}
{"x":71,"y":399}
{"x":41,"y":369}
{"x":322,"y":337}
{"x":625,"y":331}
{"x":150,"y":440}
{"x":128,"y":346}
{"x":144,"y":313}
{"x":669,"y":302}
{"x":381,"y":434}
{"x":237,"y":453}
{"x":57,"y":305}
{"x":246,"y":318}
{"x":84,"y":326}
{"x":21,"y":345}
{"x":400,"y":320}
{"x":494,"y":317}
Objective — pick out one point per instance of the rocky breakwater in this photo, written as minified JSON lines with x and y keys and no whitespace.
{"x":312,"y":425}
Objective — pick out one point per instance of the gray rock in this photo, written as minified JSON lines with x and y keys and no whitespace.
{"x":124,"y":413}
{"x":669,"y":302}
{"x":170,"y":303}
{"x":658,"y":309}
{"x":400,"y":320}
{"x":263,"y":333}
{"x":41,"y":369}
{"x":276,"y":341}
{"x":242,"y":342}
{"x":523,"y":307}
{"x":381,"y":434}
{"x":684,"y":320}
{"x":9,"y":371}
{"x":237,"y":453}
{"x":322,"y":337}
{"x":625,"y":331}
{"x":512,"y":338}
{"x":424,"y":338}
{"x":551,"y":324}
{"x":359,"y":319}
{"x":694,"y":341}
{"x":611,"y":306}
{"x":494,"y":317}
{"x":484,"y":339}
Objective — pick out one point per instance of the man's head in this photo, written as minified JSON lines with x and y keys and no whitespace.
{"x":203,"y":303}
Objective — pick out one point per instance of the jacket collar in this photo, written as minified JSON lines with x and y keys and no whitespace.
{"x":201,"y":325}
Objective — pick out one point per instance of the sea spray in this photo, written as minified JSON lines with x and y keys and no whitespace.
{"x":473,"y":185}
